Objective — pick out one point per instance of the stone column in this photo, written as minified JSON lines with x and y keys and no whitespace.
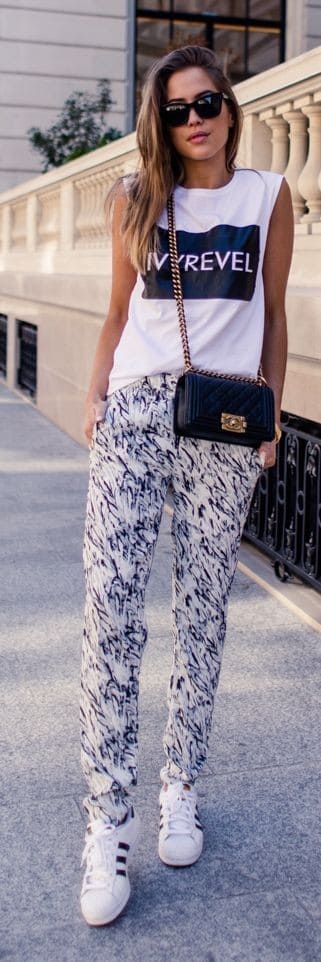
{"x":308,"y":182}
{"x":280,"y":139}
{"x":67,"y":230}
{"x":255,"y":144}
{"x":6,"y":229}
{"x":32,"y":210}
{"x":298,"y":153}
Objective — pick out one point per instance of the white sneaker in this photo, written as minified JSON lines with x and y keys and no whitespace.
{"x":181,"y":833}
{"x":106,"y":889}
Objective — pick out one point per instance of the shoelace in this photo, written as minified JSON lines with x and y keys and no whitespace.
{"x":99,"y":852}
{"x":179,"y":813}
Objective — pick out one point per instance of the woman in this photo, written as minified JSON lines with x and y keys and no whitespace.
{"x":235,"y":235}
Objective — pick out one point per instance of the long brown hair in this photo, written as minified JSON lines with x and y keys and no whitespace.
{"x":161,"y":167}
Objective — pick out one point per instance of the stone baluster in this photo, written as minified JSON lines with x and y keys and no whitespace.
{"x":255,"y":144}
{"x":49,"y":218}
{"x":280,"y":139}
{"x":297,"y":158}
{"x":67,"y":195}
{"x":90,"y":221}
{"x":98,"y":238}
{"x":6,"y":229}
{"x":32,"y":222}
{"x":19,"y":225}
{"x":84,"y":210}
{"x":308,"y":181}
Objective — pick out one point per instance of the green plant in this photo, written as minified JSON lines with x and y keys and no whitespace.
{"x":79,"y":128}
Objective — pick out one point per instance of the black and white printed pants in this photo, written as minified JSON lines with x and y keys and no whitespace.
{"x":134,"y":457}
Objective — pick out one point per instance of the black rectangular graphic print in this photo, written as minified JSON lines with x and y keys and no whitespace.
{"x":221,"y":262}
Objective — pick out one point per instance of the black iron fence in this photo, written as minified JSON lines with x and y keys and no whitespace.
{"x":3,"y":343}
{"x":27,"y":371}
{"x":285,"y":515}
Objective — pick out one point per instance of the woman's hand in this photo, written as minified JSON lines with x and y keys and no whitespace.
{"x":90,"y":421}
{"x":95,"y":411}
{"x":267,"y":452}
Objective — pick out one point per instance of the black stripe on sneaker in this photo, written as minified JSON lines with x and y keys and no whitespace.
{"x":124,"y":846}
{"x":121,"y":871}
{"x":122,"y":859}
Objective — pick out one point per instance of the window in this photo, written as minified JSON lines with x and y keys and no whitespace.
{"x":27,"y":370}
{"x":3,"y":343}
{"x":247,"y":35}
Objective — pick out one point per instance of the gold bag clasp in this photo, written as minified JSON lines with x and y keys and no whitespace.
{"x":233,"y":422}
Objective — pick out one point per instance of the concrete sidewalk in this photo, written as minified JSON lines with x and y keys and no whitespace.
{"x":255,"y":895}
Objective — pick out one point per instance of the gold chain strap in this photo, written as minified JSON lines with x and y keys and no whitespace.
{"x":178,"y":294}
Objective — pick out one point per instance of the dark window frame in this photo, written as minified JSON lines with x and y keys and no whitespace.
{"x":210,"y":20}
{"x":27,"y":370}
{"x":3,"y":344}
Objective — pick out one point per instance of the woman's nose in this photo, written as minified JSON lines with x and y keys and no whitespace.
{"x":193,"y":117}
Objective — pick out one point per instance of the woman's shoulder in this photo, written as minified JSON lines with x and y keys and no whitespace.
{"x":266,"y":183}
{"x":268,"y":177}
{"x":127,"y":181}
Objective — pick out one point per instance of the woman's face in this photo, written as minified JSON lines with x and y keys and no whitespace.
{"x":198,"y":139}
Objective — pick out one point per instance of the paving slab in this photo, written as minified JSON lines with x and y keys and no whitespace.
{"x":255,"y":894}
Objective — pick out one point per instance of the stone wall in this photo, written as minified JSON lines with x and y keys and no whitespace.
{"x":303,"y":26}
{"x":46,"y":54}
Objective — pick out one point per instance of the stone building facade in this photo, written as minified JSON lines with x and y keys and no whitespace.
{"x":49,"y":48}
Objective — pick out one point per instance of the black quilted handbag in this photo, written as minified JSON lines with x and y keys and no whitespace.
{"x":216,"y":407}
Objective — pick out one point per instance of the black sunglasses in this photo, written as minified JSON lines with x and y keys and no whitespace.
{"x":206,"y":105}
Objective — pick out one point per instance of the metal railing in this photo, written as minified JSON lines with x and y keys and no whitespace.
{"x":3,"y":343}
{"x":27,"y":371}
{"x":285,"y":515}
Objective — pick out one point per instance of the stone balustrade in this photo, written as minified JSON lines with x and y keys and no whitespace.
{"x":64,"y":209}
{"x":282,"y":130}
{"x":55,"y":264}
{"x":61,"y":211}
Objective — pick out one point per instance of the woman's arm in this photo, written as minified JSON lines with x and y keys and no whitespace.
{"x":123,"y":280}
{"x":276,"y":266}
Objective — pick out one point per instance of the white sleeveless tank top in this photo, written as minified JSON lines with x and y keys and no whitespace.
{"x":221,"y":236}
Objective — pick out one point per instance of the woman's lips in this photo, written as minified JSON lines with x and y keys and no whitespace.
{"x":197,"y":138}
